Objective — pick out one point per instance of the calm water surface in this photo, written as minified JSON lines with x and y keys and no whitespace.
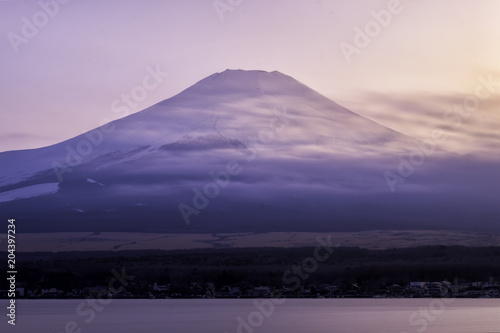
{"x":261,"y":315}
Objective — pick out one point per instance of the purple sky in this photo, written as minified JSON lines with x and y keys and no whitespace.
{"x":64,"y":78}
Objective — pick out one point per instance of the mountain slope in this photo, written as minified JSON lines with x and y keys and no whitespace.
{"x":235,"y":105}
{"x":239,"y":150}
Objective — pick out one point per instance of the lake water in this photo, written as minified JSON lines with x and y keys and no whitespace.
{"x":260,"y":315}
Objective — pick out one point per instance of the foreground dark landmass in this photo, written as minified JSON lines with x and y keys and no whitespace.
{"x":431,"y":271}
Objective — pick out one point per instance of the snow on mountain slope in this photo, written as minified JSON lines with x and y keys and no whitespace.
{"x":93,"y":182}
{"x":234,"y":105}
{"x":29,"y":192}
{"x":298,"y":161}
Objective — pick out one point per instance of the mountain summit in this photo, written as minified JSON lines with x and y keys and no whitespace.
{"x":237,"y":151}
{"x":232,"y":105}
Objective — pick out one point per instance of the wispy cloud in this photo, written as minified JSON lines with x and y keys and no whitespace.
{"x":419,"y":114}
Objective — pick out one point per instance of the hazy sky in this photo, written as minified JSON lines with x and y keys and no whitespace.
{"x":63,"y":67}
